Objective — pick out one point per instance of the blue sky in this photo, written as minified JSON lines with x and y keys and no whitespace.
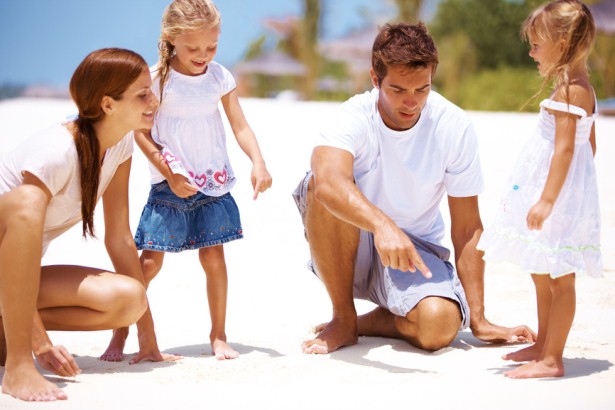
{"x":42,"y":41}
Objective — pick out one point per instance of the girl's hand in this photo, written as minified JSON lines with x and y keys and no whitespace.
{"x":261,"y":180}
{"x":538,"y":214}
{"x":58,"y":360}
{"x":180,"y":186}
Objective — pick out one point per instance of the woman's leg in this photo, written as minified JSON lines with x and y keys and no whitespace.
{"x":151,"y":264}
{"x":20,"y":256}
{"x":214,"y":265}
{"x":80,"y":298}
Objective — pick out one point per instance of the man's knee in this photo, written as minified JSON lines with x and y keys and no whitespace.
{"x":437,"y":321}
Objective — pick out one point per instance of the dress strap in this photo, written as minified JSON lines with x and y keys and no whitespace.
{"x":562,"y":106}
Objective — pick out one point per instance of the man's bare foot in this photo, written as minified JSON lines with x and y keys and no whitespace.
{"x":26,"y":383}
{"x":331,"y":337}
{"x":115,"y":350}
{"x":222,"y":351}
{"x":527,"y":354}
{"x":536,"y":369}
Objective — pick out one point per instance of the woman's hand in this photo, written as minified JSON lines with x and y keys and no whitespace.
{"x":58,"y":360}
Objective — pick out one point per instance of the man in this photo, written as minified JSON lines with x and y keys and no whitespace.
{"x":370,"y":207}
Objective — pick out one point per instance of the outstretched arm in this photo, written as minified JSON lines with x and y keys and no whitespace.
{"x":335,"y":188}
{"x":466,"y":228}
{"x":123,"y":254}
{"x":260,"y":178}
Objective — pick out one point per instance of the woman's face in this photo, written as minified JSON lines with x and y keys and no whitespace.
{"x":138,"y":104}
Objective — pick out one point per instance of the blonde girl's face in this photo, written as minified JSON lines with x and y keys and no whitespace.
{"x":194,"y":50}
{"x":545,"y":53}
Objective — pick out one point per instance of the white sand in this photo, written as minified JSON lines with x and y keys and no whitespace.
{"x":274,"y":300}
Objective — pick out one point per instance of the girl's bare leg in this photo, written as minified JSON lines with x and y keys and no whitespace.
{"x":151,"y":264}
{"x":212,"y":261}
{"x":543,"y":304}
{"x":563,"y":306}
{"x":19,"y":287}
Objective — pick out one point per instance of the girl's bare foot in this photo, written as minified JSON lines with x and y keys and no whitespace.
{"x":115,"y":350}
{"x":536,"y":369}
{"x":24,"y":382}
{"x":527,"y":354}
{"x":222,"y":351}
{"x":332,"y":336}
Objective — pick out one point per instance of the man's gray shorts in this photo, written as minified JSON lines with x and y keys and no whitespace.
{"x":392,"y":289}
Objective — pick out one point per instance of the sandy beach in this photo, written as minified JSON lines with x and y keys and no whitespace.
{"x":274,"y":301}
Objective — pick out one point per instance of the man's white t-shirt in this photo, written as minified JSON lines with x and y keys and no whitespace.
{"x":407,"y":173}
{"x":51,"y":156}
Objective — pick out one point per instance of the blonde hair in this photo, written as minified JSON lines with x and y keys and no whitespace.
{"x":570,"y":22}
{"x":180,"y":17}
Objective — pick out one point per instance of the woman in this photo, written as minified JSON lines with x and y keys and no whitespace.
{"x":47,"y":185}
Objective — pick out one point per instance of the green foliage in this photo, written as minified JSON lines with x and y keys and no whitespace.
{"x":492,"y":27}
{"x":503,"y":89}
{"x":255,"y":48}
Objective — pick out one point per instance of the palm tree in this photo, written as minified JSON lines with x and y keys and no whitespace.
{"x":408,"y":10}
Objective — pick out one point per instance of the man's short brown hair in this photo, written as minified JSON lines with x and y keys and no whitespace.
{"x":403,"y":45}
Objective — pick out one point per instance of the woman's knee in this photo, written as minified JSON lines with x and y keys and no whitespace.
{"x":129,"y":299}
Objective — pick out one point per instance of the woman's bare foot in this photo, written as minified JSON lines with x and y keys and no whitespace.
{"x":222,"y":351}
{"x":24,"y":382}
{"x":331,"y":337}
{"x":527,"y":354}
{"x":536,"y":369}
{"x":115,"y":350}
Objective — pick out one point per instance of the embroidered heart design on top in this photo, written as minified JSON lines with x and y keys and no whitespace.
{"x":169,"y":157}
{"x":200,"y":180}
{"x":220,"y":177}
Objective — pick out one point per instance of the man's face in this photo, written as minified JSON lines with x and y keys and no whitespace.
{"x":402,"y":96}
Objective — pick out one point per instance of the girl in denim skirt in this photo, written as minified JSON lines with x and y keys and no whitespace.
{"x":190,"y":205}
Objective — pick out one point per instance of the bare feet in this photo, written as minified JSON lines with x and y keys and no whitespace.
{"x":115,"y":350}
{"x":222,"y":351}
{"x":536,"y":369}
{"x":24,"y":382}
{"x":331,"y":337}
{"x":527,"y":354}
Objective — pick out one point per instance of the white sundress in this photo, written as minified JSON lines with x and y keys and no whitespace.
{"x":570,"y":238}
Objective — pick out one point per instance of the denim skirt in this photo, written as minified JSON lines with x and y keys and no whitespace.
{"x":172,"y":224}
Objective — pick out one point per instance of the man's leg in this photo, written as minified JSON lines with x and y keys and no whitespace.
{"x":427,"y":313}
{"x":431,"y":325}
{"x":333,"y":245}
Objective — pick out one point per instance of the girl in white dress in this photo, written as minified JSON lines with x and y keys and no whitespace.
{"x":549,"y":219}
{"x":190,"y":205}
